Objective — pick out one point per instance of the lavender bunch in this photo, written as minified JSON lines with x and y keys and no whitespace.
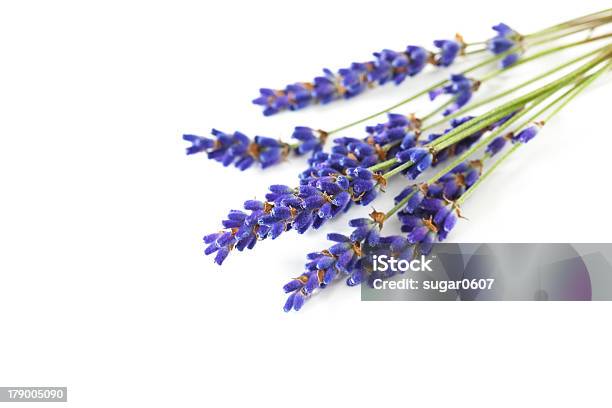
{"x":343,"y":177}
{"x":356,"y":170}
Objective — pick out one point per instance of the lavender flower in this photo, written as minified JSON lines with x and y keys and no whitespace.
{"x":239,"y":149}
{"x":397,"y":128}
{"x":509,"y":59}
{"x":387,"y":66}
{"x":423,"y":157}
{"x":460,"y":88}
{"x":505,"y":39}
{"x":396,"y":66}
{"x":449,"y":49}
{"x":394,"y":120}
{"x":419,"y":156}
{"x":459,"y":147}
{"x":347,"y":256}
{"x":528,"y":133}
{"x":319,"y":198}
{"x":311,"y":140}
{"x":497,"y":144}
{"x":293,"y":97}
{"x":220,"y":243}
{"x":430,"y":214}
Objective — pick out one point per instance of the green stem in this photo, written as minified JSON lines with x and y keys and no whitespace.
{"x":449,"y":141}
{"x":472,"y":52}
{"x":466,"y":154}
{"x":461,"y":158}
{"x":572,"y":30}
{"x":398,"y":169}
{"x":565,"y":98}
{"x":502,"y":128}
{"x":487,"y":140}
{"x":472,"y":106}
{"x":468,"y":131}
{"x":535,"y":102}
{"x":572,"y":22}
{"x":481,"y":121}
{"x":555,"y":49}
{"x":582,"y":86}
{"x":383,"y":165}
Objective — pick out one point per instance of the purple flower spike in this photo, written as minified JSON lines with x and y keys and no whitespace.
{"x":458,"y":180}
{"x":449,"y":50}
{"x":293,"y":97}
{"x":323,"y":195}
{"x":311,"y":140}
{"x":387,"y":66}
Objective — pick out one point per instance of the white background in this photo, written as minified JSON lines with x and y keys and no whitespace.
{"x":104,"y":287}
